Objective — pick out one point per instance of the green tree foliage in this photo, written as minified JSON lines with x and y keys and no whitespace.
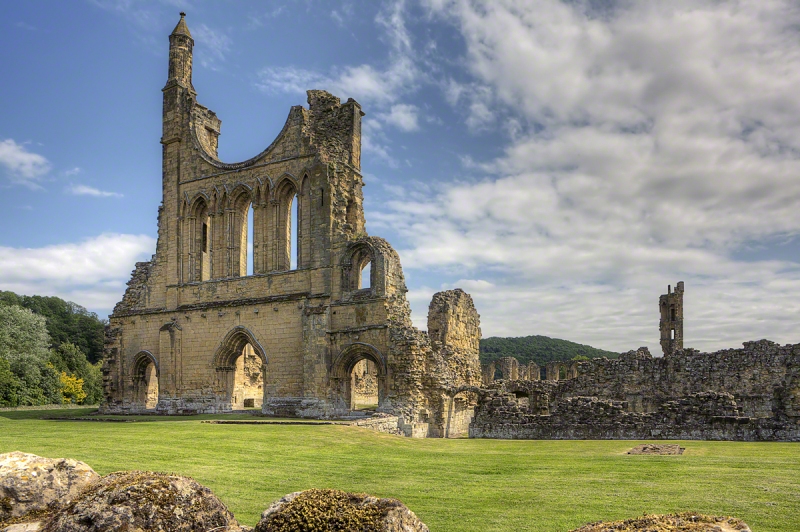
{"x":538,"y":349}
{"x":68,"y":358}
{"x":10,"y":384}
{"x":24,"y":343}
{"x":66,"y":322}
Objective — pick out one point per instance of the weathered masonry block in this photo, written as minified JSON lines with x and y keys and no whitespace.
{"x":238,"y":309}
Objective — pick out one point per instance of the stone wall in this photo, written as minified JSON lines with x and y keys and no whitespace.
{"x":747,"y":394}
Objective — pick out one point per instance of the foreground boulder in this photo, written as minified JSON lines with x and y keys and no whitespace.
{"x":683,"y":522}
{"x":334,"y":510}
{"x":137,"y":500}
{"x":31,"y":486}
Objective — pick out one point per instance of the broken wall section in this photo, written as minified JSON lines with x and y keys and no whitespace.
{"x":749,"y":394}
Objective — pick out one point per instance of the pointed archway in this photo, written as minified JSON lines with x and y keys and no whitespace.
{"x":145,"y":381}
{"x":240,"y":363}
{"x":346,"y":397}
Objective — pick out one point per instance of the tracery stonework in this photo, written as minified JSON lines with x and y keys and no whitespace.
{"x":304,"y":317}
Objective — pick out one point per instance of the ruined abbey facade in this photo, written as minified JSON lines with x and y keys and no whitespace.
{"x":266,"y":290}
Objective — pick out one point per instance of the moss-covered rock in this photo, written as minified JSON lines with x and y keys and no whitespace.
{"x":682,"y":522}
{"x":333,"y":510}
{"x":143,"y":500}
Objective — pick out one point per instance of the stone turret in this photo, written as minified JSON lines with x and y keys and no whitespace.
{"x":180,"y":55}
{"x":671,"y":324}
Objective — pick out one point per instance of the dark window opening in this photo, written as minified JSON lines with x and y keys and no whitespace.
{"x":205,"y":237}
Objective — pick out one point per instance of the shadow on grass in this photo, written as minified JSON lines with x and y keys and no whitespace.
{"x":91,"y":414}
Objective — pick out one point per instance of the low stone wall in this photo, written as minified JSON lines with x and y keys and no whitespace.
{"x":702,"y":416}
{"x":749,"y":394}
{"x":388,"y":424}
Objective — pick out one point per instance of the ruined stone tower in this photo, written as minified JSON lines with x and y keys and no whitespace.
{"x":671,"y":324}
{"x":240,"y":307}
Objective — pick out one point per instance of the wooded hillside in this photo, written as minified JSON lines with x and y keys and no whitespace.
{"x":539,"y":349}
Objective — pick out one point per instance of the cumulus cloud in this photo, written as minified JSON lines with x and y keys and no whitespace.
{"x":85,"y":190}
{"x":92,"y":272}
{"x":650,"y":141}
{"x":22,"y":166}
{"x":402,"y":116}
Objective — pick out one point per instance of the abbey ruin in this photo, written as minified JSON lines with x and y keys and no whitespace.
{"x":266,"y":292}
{"x":227,"y":316}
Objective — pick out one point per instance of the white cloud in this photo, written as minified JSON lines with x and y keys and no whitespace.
{"x":22,"y":167}
{"x":72,"y":171}
{"x":214,"y":41}
{"x":403,"y":116}
{"x":91,"y":273}
{"x":85,"y":190}
{"x":647,"y":144}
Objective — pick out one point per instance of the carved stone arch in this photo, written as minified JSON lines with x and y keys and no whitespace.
{"x":267,"y":186}
{"x":198,"y":201}
{"x":343,"y":363}
{"x":341,"y":374}
{"x":197,"y":239}
{"x":283,"y":196}
{"x":357,"y":255}
{"x":145,"y":380}
{"x":140,"y":362}
{"x":284,"y":185}
{"x":241,"y":193}
{"x":240,"y":197}
{"x":230,"y":348}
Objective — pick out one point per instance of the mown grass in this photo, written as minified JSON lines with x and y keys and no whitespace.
{"x":452,"y":485}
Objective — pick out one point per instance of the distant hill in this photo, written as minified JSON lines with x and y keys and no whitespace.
{"x":66,"y":322}
{"x":539,"y":349}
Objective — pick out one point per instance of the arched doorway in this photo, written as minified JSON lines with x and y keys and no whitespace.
{"x":358,"y":377}
{"x":145,"y":381}
{"x":240,"y":364}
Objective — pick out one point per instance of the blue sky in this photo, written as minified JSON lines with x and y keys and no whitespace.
{"x":561,"y":161}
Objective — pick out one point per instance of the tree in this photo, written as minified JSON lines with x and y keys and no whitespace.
{"x":66,"y":322}
{"x":9,"y":385}
{"x":72,"y":388}
{"x":68,"y":358}
{"x":24,"y":345}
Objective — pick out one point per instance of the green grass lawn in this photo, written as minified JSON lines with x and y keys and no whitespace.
{"x":482,"y":485}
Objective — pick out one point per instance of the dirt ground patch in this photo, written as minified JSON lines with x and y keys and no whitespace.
{"x":684,"y":522}
{"x":657,"y":448}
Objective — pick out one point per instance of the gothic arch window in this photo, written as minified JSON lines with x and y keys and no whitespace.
{"x":198,"y":241}
{"x":237,"y":217}
{"x":360,"y":265}
{"x":287,"y":214}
